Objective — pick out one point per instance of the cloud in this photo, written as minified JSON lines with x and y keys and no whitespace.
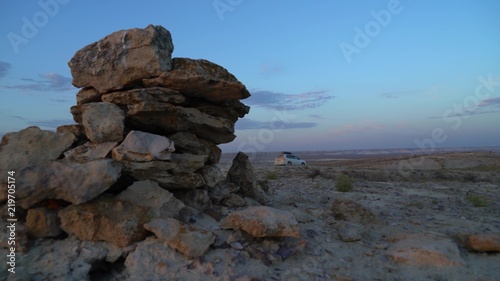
{"x":50,"y":82}
{"x":4,"y":68}
{"x":280,"y":101}
{"x":316,"y":116}
{"x":270,"y":69}
{"x":487,"y":106}
{"x":495,"y":102}
{"x":396,"y":95}
{"x":248,"y":124}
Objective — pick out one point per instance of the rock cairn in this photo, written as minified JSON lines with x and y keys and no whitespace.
{"x":140,"y":162}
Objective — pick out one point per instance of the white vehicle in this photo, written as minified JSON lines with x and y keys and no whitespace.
{"x":288,"y":159}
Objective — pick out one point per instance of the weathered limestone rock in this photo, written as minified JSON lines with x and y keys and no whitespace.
{"x":221,"y":190}
{"x":89,"y":151}
{"x":212,"y":175}
{"x":233,"y":201}
{"x":42,"y":222}
{"x":422,"y":250}
{"x":103,"y":121}
{"x":189,"y":241}
{"x":105,"y":219}
{"x":88,"y":95}
{"x":161,"y":203}
{"x":188,"y":162}
{"x":241,"y":174}
{"x":349,"y":231}
{"x":487,"y":242}
{"x":153,"y":94}
{"x":201,"y":79}
{"x":230,"y":109}
{"x":189,"y":143}
{"x":346,"y":209}
{"x":123,"y":58}
{"x":263,"y":221}
{"x":31,"y":146}
{"x":142,"y":146}
{"x":73,"y":182}
{"x":166,"y":119}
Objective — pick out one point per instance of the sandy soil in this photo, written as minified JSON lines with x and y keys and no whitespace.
{"x":445,"y":198}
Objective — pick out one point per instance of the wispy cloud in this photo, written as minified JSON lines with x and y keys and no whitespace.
{"x":248,"y":124}
{"x":396,"y":95}
{"x":316,"y":116}
{"x":281,"y":101}
{"x":268,"y":69}
{"x":50,"y":82}
{"x":487,"y":106}
{"x":495,"y":102}
{"x":4,"y":68}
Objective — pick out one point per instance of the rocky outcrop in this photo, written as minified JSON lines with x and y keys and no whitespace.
{"x":141,"y":161}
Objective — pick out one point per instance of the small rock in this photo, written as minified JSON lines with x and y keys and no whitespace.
{"x":89,"y":151}
{"x":103,"y":121}
{"x":349,"y":231}
{"x":487,"y":242}
{"x":141,"y":146}
{"x":42,"y":222}
{"x":346,"y":209}
{"x":233,"y":201}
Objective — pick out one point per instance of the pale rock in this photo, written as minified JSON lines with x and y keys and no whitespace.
{"x":242,"y":174}
{"x":187,"y":142}
{"x":31,"y":146}
{"x":142,"y":146}
{"x":123,"y":58}
{"x":186,"y":239}
{"x":188,"y":162}
{"x":154,"y":94}
{"x":88,"y":95}
{"x":90,"y":151}
{"x":195,"y":198}
{"x":105,"y":219}
{"x":42,"y":222}
{"x":212,"y":175}
{"x":425,"y":250}
{"x":486,"y":242}
{"x":263,"y":221}
{"x":73,"y":182}
{"x":103,"y":121}
{"x":154,"y":259}
{"x":165,"y":119}
{"x":160,"y":202}
{"x":201,"y":79}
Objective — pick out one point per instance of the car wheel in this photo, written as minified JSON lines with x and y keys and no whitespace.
{"x":289,"y":163}
{"x":302,"y":164}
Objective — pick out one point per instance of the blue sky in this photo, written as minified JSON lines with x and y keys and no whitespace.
{"x":324,"y":75}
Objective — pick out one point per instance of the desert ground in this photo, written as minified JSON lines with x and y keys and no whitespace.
{"x":406,"y":223}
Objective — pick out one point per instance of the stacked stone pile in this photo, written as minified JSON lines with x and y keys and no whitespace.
{"x":140,"y":162}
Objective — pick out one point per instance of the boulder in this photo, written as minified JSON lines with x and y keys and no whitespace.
{"x":107,"y":219}
{"x":195,"y":198}
{"x":424,"y":250}
{"x":153,"y":94}
{"x":122,"y":59}
{"x":241,"y":174}
{"x":166,"y":119}
{"x":200,"y":79}
{"x":187,"y":142}
{"x":89,"y":151}
{"x":142,"y":146}
{"x":263,"y":221}
{"x":103,"y":121}
{"x":186,"y":239}
{"x":88,"y":95}
{"x":32,"y":146}
{"x":486,"y":242}
{"x":73,"y":182}
{"x":160,"y":202}
{"x":42,"y":222}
